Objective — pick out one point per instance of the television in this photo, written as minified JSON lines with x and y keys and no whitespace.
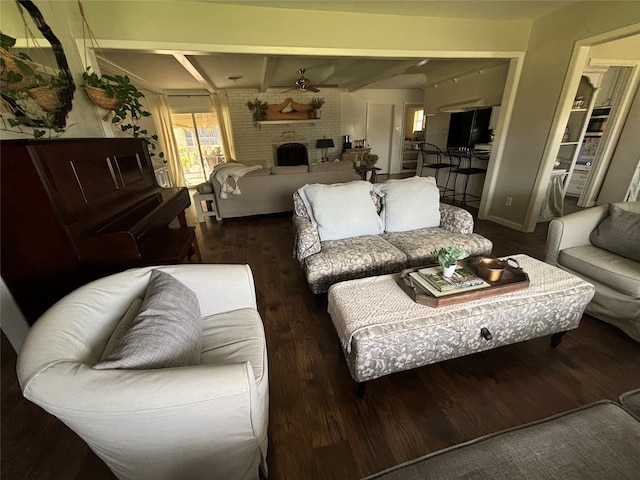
{"x":468,"y":128}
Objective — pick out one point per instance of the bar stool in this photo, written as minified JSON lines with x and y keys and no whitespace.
{"x":462,"y":157}
{"x":432,"y":157}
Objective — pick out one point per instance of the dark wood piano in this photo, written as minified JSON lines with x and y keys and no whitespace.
{"x":77,"y":209}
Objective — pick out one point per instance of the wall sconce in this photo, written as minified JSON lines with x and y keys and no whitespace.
{"x":324,"y":143}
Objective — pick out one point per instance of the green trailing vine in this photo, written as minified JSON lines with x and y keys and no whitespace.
{"x":128,"y":109}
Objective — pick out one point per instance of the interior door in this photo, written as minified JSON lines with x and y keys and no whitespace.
{"x":380,"y":133}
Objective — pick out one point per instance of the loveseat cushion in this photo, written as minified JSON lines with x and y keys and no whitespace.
{"x":350,"y":258}
{"x":167,"y":331}
{"x":619,"y":232}
{"x":260,"y":172}
{"x":289,"y":169}
{"x":409,"y":203}
{"x":330,"y":166}
{"x":419,"y":245}
{"x":341,"y":210}
{"x":615,"y":271}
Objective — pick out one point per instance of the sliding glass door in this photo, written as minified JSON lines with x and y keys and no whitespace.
{"x":199,"y":144}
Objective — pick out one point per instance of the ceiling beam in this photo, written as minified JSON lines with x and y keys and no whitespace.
{"x":337,"y":68}
{"x":195,"y":71}
{"x":268,"y":67}
{"x":385,"y":74}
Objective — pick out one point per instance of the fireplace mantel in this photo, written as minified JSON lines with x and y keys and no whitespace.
{"x":285,"y":122}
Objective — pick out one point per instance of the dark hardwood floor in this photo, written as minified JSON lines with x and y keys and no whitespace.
{"x":319,"y":428}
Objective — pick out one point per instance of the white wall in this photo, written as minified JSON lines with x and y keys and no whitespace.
{"x":354,"y":119}
{"x":549,"y":52}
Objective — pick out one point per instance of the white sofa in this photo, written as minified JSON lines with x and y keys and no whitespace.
{"x":191,"y":422}
{"x":406,"y":225}
{"x":270,"y":190}
{"x":615,"y":277}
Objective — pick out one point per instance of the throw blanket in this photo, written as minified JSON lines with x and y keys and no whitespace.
{"x":223,"y":171}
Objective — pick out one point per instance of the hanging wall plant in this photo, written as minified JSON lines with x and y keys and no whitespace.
{"x":36,"y":97}
{"x":118,"y":94}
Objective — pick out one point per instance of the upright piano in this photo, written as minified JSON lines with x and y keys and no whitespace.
{"x":73,"y":210}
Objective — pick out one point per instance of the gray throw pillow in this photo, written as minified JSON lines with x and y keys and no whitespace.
{"x":619,"y":232}
{"x":167,"y":332}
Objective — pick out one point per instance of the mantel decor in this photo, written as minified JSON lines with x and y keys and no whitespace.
{"x":288,"y":110}
{"x":259,"y":110}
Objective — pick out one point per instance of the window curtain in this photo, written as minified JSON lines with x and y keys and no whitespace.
{"x":162,"y":119}
{"x":221,"y":104}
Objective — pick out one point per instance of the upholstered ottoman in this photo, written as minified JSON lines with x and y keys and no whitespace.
{"x":382,"y":330}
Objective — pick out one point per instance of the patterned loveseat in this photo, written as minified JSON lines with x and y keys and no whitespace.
{"x":397,"y":206}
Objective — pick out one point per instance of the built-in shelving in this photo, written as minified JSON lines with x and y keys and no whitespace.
{"x":574,"y":133}
{"x":410,"y":156}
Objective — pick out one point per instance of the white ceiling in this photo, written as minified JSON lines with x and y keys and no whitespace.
{"x":211,"y":71}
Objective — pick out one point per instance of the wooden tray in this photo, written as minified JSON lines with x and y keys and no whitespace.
{"x":513,"y":279}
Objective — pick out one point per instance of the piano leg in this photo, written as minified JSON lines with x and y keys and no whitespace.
{"x":182,"y":219}
{"x":195,"y":250}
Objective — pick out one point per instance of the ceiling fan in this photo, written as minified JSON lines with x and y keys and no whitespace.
{"x":305,"y":84}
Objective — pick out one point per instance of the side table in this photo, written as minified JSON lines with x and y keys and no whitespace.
{"x":209,"y":210}
{"x":370,"y":172}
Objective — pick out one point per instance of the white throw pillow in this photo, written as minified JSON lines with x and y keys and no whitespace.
{"x":409,"y":203}
{"x":341,"y":210}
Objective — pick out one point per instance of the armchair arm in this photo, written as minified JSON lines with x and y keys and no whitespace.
{"x":572,"y":230}
{"x":145,"y":423}
{"x":306,"y":238}
{"x":455,"y":219}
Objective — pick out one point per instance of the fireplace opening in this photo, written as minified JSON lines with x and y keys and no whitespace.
{"x":291,"y":154}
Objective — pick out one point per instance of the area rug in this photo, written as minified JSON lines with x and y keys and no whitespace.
{"x":598,"y":441}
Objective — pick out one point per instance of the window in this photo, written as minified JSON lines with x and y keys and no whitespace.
{"x":199,"y":144}
{"x":418,"y":121}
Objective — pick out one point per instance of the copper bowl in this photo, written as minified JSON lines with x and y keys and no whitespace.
{"x":491,"y":269}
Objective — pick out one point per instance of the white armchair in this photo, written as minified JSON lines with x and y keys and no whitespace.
{"x":616,"y":278}
{"x":207,"y":421}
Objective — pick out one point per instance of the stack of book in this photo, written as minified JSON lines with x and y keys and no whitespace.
{"x":432,"y":281}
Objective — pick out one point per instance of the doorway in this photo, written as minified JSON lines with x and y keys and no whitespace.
{"x":199,"y":143}
{"x":379,"y":133}
{"x":601,"y":133}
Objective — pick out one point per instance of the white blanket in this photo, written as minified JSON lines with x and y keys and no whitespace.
{"x":223,"y":171}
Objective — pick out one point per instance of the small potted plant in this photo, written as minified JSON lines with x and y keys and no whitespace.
{"x":448,"y":258}
{"x":369,"y":160}
{"x":316,"y":104}
{"x":259,"y":110}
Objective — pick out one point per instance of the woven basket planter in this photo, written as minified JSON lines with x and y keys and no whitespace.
{"x":100,"y":98}
{"x":47,"y":98}
{"x":11,"y":65}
